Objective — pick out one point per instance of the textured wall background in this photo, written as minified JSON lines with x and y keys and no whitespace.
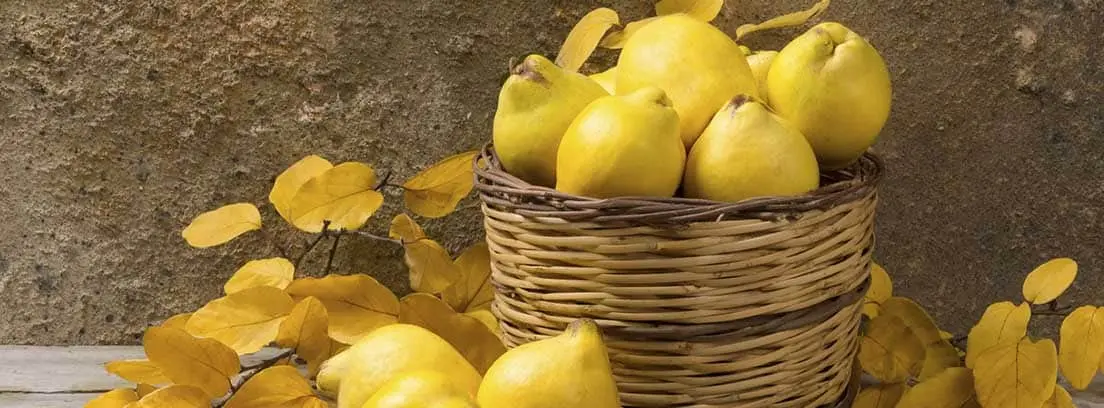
{"x":121,"y":120}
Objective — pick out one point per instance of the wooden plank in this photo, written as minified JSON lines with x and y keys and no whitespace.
{"x":17,"y":400}
{"x":61,"y":369}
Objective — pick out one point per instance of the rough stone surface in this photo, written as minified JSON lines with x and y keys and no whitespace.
{"x":120,"y":121}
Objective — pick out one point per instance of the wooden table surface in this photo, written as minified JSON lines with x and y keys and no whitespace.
{"x":67,"y":377}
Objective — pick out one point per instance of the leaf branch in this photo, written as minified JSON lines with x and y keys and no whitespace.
{"x":1051,"y":309}
{"x":372,"y":236}
{"x":333,"y":251}
{"x":313,"y":243}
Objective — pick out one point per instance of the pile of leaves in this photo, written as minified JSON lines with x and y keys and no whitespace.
{"x":290,"y":323}
{"x":1000,"y":365}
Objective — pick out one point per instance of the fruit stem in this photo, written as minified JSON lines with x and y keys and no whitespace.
{"x":526,"y":70}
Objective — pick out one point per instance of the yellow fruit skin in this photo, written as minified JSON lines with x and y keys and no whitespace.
{"x":568,"y":370}
{"x":421,"y":389}
{"x":622,"y":146}
{"x":760,"y":62}
{"x":328,"y":380}
{"x":535,"y":106}
{"x":393,"y":349}
{"x":607,"y":79}
{"x":747,"y":151}
{"x":699,"y":66}
{"x":835,"y":88}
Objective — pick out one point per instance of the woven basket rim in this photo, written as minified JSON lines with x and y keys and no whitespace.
{"x":499,"y":188}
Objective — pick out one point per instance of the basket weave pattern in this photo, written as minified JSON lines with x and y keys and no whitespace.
{"x":702,"y":304}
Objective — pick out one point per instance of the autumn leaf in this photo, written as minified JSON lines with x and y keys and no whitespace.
{"x":787,"y":20}
{"x":144,"y":390}
{"x":404,"y":228}
{"x":306,"y":331}
{"x":879,"y":396}
{"x":914,"y":317}
{"x":488,"y":319}
{"x":289,"y":182}
{"x":705,"y":10}
{"x":177,"y":321}
{"x":945,"y":335}
{"x":188,"y":360}
{"x":1049,"y":280}
{"x":952,"y":388}
{"x":116,"y":398}
{"x":465,"y":333}
{"x":938,"y":357}
{"x":881,"y":289}
{"x":431,"y":268}
{"x":217,"y":227}
{"x":889,"y":350}
{"x":1001,"y":323}
{"x":276,"y":387}
{"x":472,"y":291}
{"x":1059,"y":399}
{"x":435,"y":191}
{"x":137,"y":371}
{"x":246,"y":320}
{"x":344,"y":195}
{"x":274,"y":272}
{"x":616,"y":39}
{"x":1082,"y":345}
{"x":584,"y":37}
{"x":1016,"y":374}
{"x":355,"y":304}
{"x":174,"y":396}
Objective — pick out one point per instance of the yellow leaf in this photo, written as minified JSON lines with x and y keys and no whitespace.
{"x":306,"y":330}
{"x":879,"y":396}
{"x":177,"y":321}
{"x":1049,"y":280}
{"x":881,"y":289}
{"x":246,"y":321}
{"x":404,"y":228}
{"x":939,"y":356}
{"x":1016,"y":374}
{"x":616,"y":39}
{"x":945,"y":335}
{"x":344,"y":195}
{"x":276,"y":387}
{"x":889,"y":350}
{"x":1082,"y":345}
{"x":431,"y":268}
{"x":1001,"y":323}
{"x":435,"y":191}
{"x":116,"y":398}
{"x":488,"y":319}
{"x":289,"y":182}
{"x":274,"y":272}
{"x":188,"y":360}
{"x":952,"y":388}
{"x":219,"y":226}
{"x":355,"y":304}
{"x":1059,"y":399}
{"x":584,"y":37}
{"x":465,"y":333}
{"x":174,"y":396}
{"x":472,"y":291}
{"x":144,"y":389}
{"x":137,"y":371}
{"x":705,"y":10}
{"x":787,"y":20}
{"x":914,"y":317}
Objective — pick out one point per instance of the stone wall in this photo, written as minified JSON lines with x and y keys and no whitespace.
{"x":121,"y":120}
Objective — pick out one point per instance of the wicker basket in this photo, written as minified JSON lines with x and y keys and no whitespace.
{"x":702,"y":304}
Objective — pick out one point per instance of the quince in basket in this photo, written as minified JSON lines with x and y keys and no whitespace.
{"x":835,"y":88}
{"x":625,"y":145}
{"x":535,"y":106}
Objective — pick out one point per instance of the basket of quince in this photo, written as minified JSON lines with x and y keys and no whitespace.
{"x":710,"y":208}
